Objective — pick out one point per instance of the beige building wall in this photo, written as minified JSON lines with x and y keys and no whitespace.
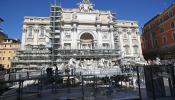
{"x":7,"y":51}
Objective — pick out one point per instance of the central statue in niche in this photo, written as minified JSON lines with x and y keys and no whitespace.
{"x":86,"y":41}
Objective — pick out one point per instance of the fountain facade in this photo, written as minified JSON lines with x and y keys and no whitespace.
{"x":83,"y":38}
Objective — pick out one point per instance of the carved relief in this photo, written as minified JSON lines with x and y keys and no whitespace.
{"x":105,"y":35}
{"x":67,"y":34}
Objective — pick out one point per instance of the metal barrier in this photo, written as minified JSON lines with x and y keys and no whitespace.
{"x":160,"y":79}
{"x":134,"y":82}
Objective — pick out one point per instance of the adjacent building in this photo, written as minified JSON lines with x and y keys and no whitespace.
{"x":2,"y":37}
{"x":8,"y":48}
{"x":83,"y":33}
{"x":1,"y":20}
{"x":2,"y":34}
{"x":159,"y":35}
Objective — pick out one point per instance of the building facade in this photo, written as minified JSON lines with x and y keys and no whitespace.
{"x":159,"y":35}
{"x":8,"y":48}
{"x":1,"y":20}
{"x":2,"y":34}
{"x":35,"y":31}
{"x":84,"y":33}
{"x":127,"y":39}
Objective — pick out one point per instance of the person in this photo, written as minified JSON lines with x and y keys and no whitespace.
{"x":56,"y":71}
{"x":67,"y":70}
{"x":49,"y":72}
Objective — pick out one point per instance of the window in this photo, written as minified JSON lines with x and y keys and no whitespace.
{"x":30,"y":30}
{"x":105,"y":45}
{"x":161,"y":30}
{"x":134,"y":36}
{"x":161,"y":20}
{"x":3,"y":58}
{"x":52,"y":8}
{"x":135,"y":49}
{"x":125,"y":36}
{"x":133,"y":30}
{"x":155,"y":43}
{"x":164,"y":40}
{"x":126,"y":50}
{"x":8,"y":58}
{"x":67,"y":45}
{"x":174,"y":35}
{"x":117,"y":46}
{"x":42,"y":31}
{"x":172,"y":25}
{"x":170,"y":14}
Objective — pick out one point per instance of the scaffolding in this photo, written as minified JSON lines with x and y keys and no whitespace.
{"x":34,"y":58}
{"x":55,"y":33}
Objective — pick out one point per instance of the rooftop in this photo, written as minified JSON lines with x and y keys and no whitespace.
{"x":8,"y":40}
{"x":3,"y":34}
{"x":159,"y":14}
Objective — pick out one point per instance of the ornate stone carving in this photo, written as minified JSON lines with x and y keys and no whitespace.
{"x":86,"y":6}
{"x":105,"y":35}
{"x":67,"y":34}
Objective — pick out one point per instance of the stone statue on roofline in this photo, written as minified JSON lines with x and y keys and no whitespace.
{"x":86,"y":6}
{"x":86,"y":2}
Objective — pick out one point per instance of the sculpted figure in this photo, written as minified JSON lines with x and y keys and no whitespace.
{"x":101,"y":63}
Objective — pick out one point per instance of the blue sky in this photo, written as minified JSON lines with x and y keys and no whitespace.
{"x":13,"y":11}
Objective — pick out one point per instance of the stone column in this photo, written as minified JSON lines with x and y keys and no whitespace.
{"x":74,"y":36}
{"x":111,"y":36}
{"x":99,"y":40}
{"x":130,"y":44}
